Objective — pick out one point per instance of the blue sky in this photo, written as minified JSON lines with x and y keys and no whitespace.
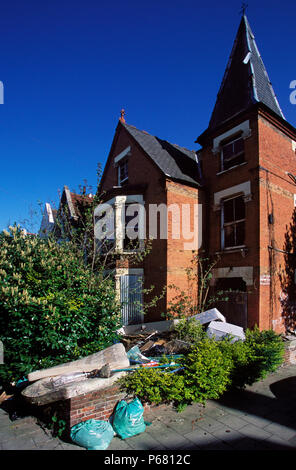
{"x":68,"y":68}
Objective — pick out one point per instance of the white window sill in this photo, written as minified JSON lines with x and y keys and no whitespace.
{"x":232,"y":168}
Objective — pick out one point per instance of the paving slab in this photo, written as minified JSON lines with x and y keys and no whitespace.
{"x":232,"y":421}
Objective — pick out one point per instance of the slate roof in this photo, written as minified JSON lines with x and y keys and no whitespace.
{"x":174,"y":161}
{"x":245,"y":80}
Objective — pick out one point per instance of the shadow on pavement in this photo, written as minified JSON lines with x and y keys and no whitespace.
{"x":280,"y":410}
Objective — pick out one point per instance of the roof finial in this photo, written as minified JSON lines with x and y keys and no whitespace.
{"x":122,"y":114}
{"x":244,"y":6}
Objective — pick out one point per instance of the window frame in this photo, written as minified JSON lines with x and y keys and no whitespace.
{"x":229,"y":141}
{"x":119,"y":205}
{"x":122,"y":164}
{"x":233,"y":223}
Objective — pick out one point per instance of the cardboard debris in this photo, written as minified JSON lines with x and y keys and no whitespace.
{"x":209,"y":315}
{"x":219,"y":330}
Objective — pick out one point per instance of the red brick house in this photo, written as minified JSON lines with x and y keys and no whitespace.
{"x":145,"y":170}
{"x":242,"y":179}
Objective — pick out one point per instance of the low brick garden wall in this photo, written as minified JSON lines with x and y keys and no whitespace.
{"x":290,"y":352}
{"x":95,"y":405}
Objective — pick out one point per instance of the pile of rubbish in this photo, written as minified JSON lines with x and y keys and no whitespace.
{"x":145,"y":345}
{"x":156,"y":339}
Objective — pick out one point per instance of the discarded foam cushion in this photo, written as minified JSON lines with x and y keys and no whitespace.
{"x":219,"y":330}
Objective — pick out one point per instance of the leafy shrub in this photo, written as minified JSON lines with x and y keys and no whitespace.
{"x":205,"y":376}
{"x":189,"y":330}
{"x":206,"y":373}
{"x":260,"y":354}
{"x":210,"y":368}
{"x":154,"y":385}
{"x":53,"y":308}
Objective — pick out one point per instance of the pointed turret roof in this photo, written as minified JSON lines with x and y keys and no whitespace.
{"x":245,"y":80}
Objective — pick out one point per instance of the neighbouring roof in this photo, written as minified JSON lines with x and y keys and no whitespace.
{"x":174,"y":161}
{"x":80,"y":202}
{"x":245,"y":80}
{"x":76,"y":202}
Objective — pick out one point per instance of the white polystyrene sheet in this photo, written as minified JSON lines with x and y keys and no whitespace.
{"x":209,"y":315}
{"x":218,"y":330}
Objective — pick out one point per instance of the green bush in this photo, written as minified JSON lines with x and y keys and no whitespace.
{"x":154,"y":386}
{"x":206,"y":372}
{"x":189,"y":330}
{"x":53,"y":308}
{"x":261,"y":353}
{"x":205,"y":375}
{"x":210,"y":368}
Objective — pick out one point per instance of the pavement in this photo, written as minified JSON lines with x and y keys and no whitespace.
{"x":261,"y":417}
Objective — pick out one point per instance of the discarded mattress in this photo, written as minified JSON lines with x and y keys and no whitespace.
{"x":209,"y":315}
{"x":115,"y":355}
{"x":46,"y":391}
{"x":218,"y":330}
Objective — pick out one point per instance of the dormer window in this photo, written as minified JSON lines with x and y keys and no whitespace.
{"x":122,"y":172}
{"x":232,"y":153}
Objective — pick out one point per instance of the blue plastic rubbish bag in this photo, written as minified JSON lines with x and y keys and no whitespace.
{"x":92,"y":434}
{"x":128,"y":418}
{"x":135,"y":355}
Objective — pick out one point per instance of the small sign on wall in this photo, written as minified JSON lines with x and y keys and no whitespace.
{"x":265,"y":280}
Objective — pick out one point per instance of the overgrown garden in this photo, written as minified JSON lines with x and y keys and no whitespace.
{"x":210,"y":367}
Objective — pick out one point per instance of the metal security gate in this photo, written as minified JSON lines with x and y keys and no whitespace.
{"x":131,"y":299}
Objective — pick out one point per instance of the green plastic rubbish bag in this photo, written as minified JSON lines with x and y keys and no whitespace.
{"x":92,"y":434}
{"x":128,"y":418}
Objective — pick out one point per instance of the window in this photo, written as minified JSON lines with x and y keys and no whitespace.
{"x":131,"y":227}
{"x":120,"y":223}
{"x":232,"y":154}
{"x":122,"y":172}
{"x":233,"y":222}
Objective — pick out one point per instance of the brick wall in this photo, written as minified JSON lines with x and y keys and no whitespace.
{"x":269,"y":156}
{"x":167,"y":261}
{"x":215,"y":182}
{"x":276,"y":158}
{"x":98,"y":405}
{"x":290,"y":352}
{"x":95,"y":405}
